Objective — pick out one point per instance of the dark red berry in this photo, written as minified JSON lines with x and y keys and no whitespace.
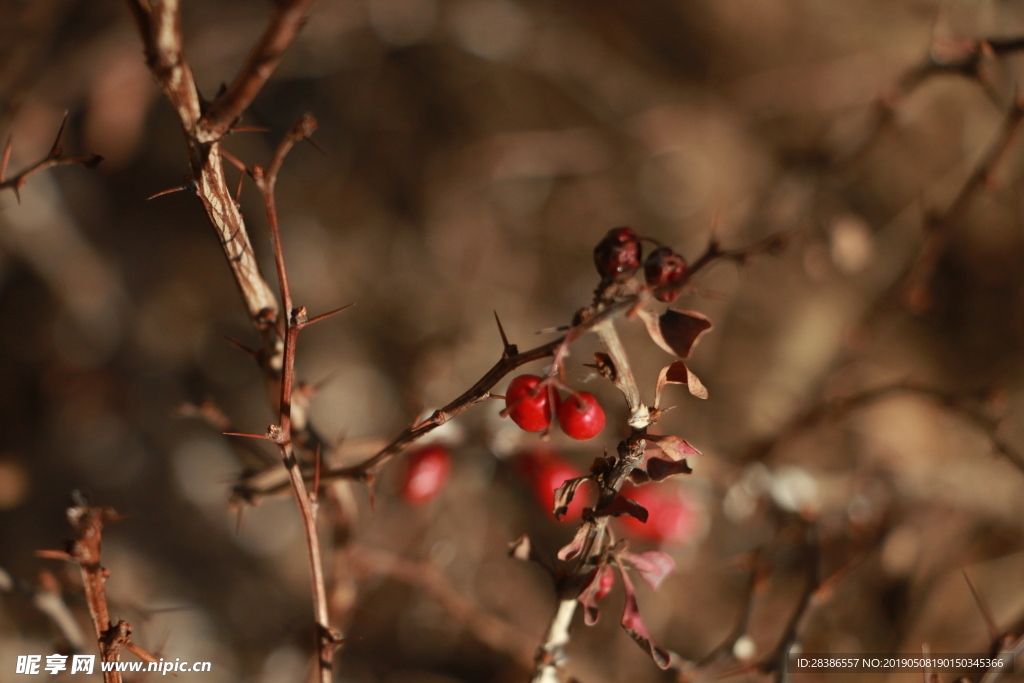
{"x":528,"y":403}
{"x":581,"y":416}
{"x":665,"y":270}
{"x":426,"y":473}
{"x":618,"y":253}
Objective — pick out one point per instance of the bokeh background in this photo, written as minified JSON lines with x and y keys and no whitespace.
{"x":474,"y":151}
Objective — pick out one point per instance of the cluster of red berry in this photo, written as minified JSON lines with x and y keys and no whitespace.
{"x":619,"y":253}
{"x":529,"y":401}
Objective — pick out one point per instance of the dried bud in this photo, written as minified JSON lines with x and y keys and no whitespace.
{"x":665,"y":269}
{"x":617,"y":253}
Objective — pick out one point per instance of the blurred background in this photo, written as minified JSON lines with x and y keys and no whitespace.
{"x":474,"y":152}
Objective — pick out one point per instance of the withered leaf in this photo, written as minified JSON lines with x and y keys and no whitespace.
{"x":624,"y":506}
{"x":660,"y":469}
{"x":676,"y":447}
{"x":676,"y":331}
{"x":564,"y":495}
{"x":653,"y":565}
{"x":678,"y":373}
{"x":634,"y":625}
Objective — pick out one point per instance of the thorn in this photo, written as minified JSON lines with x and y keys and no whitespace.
{"x":55,"y":150}
{"x":6,"y":158}
{"x":264,"y":437}
{"x":509,"y":349}
{"x":17,"y":193}
{"x":324,"y":316}
{"x":238,"y":190}
{"x":170,"y":191}
{"x":315,"y":145}
{"x":249,"y":129}
{"x":233,"y":160}
{"x":239,"y":345}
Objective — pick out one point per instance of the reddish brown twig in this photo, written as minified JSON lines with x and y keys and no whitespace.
{"x":296,"y":319}
{"x":55,"y":157}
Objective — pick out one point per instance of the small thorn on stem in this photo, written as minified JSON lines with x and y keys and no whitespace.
{"x":325,"y":316}
{"x":509,"y":349}
{"x":242,"y":347}
{"x":55,"y":150}
{"x":161,"y":193}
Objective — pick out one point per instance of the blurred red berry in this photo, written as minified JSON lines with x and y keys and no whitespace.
{"x":581,"y":416}
{"x":426,"y":473}
{"x":617,"y":253}
{"x":528,"y":403}
{"x":546,"y":470}
{"x":672,"y":517}
{"x":665,"y":268}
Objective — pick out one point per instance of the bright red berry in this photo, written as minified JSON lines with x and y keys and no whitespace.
{"x":665,"y":269}
{"x":546,"y":470}
{"x":426,"y":473}
{"x":581,"y":416}
{"x":617,"y":253}
{"x":672,"y":517}
{"x":528,"y":403}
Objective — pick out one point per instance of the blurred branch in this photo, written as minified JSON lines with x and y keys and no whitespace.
{"x":938,"y":226}
{"x":47,"y":596}
{"x":962,"y":405}
{"x":494,"y":632}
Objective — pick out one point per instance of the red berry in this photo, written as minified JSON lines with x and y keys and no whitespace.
{"x":528,"y":403}
{"x":546,"y":470}
{"x":617,"y":253}
{"x":672,"y":518}
{"x":581,"y":416}
{"x":665,"y":269}
{"x":426,"y":473}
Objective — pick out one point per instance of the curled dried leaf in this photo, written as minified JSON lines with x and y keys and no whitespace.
{"x":676,"y":331}
{"x":659,"y":469}
{"x":676,"y":447}
{"x":678,"y":373}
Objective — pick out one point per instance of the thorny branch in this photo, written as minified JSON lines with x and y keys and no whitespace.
{"x":159,"y":25}
{"x":510,"y":360}
{"x":295,"y":320}
{"x":55,"y":157}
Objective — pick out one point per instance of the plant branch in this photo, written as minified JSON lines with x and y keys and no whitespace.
{"x":55,"y":157}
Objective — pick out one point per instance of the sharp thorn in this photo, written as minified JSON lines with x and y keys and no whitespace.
{"x":324,"y":316}
{"x":55,"y":150}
